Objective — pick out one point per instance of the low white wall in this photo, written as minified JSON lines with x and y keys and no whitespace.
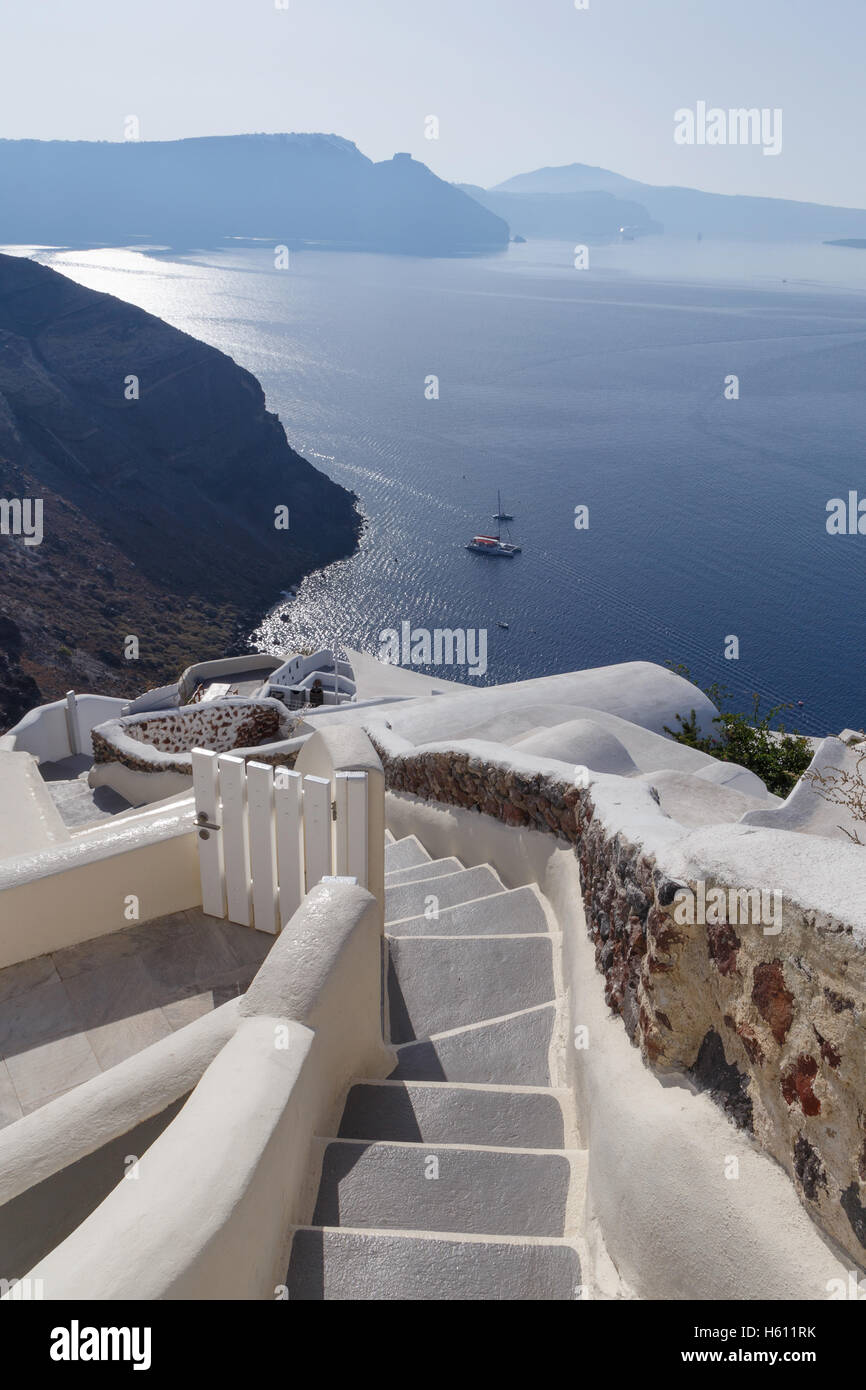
{"x":674,"y":1226}
{"x":222,"y":666}
{"x":139,"y":788}
{"x":91,"y":710}
{"x":218,"y":1193}
{"x":44,"y":731}
{"x":76,"y":1124}
{"x":157,"y":698}
{"x":71,"y":892}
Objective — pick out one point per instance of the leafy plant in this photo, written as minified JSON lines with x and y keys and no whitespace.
{"x":779,"y":758}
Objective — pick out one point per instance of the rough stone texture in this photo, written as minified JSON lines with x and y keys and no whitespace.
{"x":727,"y":1085}
{"x":773,"y":1026}
{"x":161,"y":742}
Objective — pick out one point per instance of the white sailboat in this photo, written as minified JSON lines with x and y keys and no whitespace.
{"x":494,"y":545}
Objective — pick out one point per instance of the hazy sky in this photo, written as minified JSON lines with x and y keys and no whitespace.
{"x":515,"y":84}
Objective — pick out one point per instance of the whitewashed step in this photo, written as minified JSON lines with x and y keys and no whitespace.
{"x":405,"y":853}
{"x":439,"y":983}
{"x":331,"y":1264}
{"x":426,"y":1187}
{"x":433,"y":868}
{"x":434,"y":1112}
{"x":411,"y":899}
{"x":518,"y":910}
{"x":509,"y":1051}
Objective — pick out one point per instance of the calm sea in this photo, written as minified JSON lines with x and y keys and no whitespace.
{"x":602,"y":388}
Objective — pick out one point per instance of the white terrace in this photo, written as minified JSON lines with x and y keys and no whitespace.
{"x":482,"y":1058}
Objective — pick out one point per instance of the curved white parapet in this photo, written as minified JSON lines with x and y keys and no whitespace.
{"x":835,"y":765}
{"x":220,"y":1190}
{"x":146,"y":757}
{"x":580,"y":741}
{"x":638,"y":693}
{"x":736,"y":778}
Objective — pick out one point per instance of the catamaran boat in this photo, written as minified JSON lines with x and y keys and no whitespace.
{"x":492,"y":545}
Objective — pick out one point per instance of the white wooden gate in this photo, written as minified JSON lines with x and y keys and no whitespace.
{"x":266,"y":836}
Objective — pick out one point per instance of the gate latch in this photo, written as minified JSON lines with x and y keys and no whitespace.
{"x":204,"y":826}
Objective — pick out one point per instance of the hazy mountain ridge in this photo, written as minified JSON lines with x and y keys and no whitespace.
{"x":292,"y":189}
{"x":158,"y":512}
{"x":686,"y":212}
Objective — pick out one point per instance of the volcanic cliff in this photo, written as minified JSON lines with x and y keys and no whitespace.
{"x":163,"y":478}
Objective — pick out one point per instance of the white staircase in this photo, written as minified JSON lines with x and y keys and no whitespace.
{"x":459,"y":1177}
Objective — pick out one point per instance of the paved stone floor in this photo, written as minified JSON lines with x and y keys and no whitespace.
{"x":67,"y":1016}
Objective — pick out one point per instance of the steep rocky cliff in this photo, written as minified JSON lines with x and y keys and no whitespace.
{"x":159,"y":494}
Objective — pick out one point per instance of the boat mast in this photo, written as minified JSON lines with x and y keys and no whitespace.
{"x":498,"y":515}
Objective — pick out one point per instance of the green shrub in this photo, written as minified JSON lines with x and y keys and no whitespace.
{"x":778,"y":757}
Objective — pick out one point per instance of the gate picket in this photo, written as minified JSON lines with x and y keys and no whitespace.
{"x":290,"y":844}
{"x":351,"y":826}
{"x":317,"y":829}
{"x":263,"y":849}
{"x":236,"y":839}
{"x":205,"y":781}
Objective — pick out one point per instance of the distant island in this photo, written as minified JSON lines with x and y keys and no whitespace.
{"x":578,"y":200}
{"x":295,"y":190}
{"x":859,"y":243}
{"x":159,"y":513}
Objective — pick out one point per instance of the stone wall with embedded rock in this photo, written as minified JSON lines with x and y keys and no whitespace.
{"x":162,"y":742}
{"x":767,"y":1016}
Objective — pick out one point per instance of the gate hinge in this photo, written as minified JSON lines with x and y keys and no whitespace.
{"x":333,"y":810}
